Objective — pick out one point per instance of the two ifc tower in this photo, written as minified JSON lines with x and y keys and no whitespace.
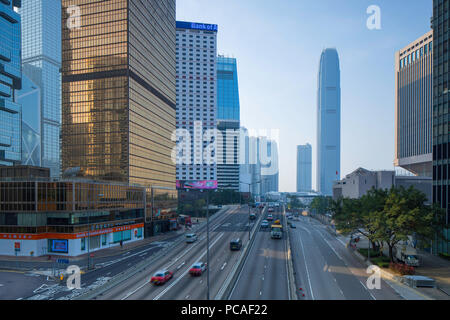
{"x":328,"y":122}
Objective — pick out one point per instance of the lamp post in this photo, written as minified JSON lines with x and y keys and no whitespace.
{"x":249,"y":184}
{"x":89,"y":227}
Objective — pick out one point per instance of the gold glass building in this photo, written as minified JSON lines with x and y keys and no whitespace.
{"x":119,"y":96}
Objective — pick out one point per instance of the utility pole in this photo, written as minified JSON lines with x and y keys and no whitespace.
{"x":207,"y":243}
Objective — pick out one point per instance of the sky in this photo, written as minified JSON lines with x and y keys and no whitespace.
{"x":278,"y":45}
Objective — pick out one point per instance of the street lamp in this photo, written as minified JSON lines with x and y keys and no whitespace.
{"x":89,"y":227}
{"x":207,"y":243}
{"x":249,"y":184}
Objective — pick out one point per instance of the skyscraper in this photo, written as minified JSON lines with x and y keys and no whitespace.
{"x":196,"y":85}
{"x":441,"y":112}
{"x":328,"y":122}
{"x":269,"y":165}
{"x":41,"y":63}
{"x":413,"y":106}
{"x":304,"y":168}
{"x":10,"y":81}
{"x":118,"y":65}
{"x":29,"y":97}
{"x":228,"y":124}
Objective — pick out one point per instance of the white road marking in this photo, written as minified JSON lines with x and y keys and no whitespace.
{"x":181,"y":265}
{"x":307,"y":272}
{"x":184,"y":273}
{"x":367,"y":290}
{"x":1,"y":285}
{"x":223,"y":267}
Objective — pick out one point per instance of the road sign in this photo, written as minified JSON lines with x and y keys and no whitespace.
{"x":16,"y":246}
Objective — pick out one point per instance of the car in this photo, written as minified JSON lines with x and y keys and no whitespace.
{"x":236,"y":244}
{"x":269,"y":217}
{"x":197,"y":269}
{"x":161,"y":277}
{"x":264,"y":224}
{"x":219,"y":206}
{"x":293,"y":226}
{"x":252,"y":216}
{"x":191,"y":237}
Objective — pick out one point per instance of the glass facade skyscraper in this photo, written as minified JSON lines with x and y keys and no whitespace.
{"x":119,"y":101}
{"x":228,"y":107}
{"x":328,"y":122}
{"x":10,"y":82}
{"x":41,"y":62}
{"x":414,"y":106}
{"x":228,"y":123}
{"x":304,"y":168}
{"x":441,"y":114}
{"x":29,"y":97}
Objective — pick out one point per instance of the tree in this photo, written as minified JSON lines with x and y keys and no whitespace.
{"x":405,"y":213}
{"x":358,"y":215}
{"x":321,"y":204}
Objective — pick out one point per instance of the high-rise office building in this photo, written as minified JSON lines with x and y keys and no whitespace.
{"x":328,"y":122}
{"x":441,"y":114}
{"x":245,"y":175}
{"x":10,"y":82}
{"x":41,"y":62}
{"x":304,"y":168}
{"x":29,"y":98}
{"x":118,"y":90}
{"x":414,"y":106}
{"x":196,"y":85}
{"x":269,"y":166}
{"x":228,"y":124}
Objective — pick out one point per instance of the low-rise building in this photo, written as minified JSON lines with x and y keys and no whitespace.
{"x":40,"y":215}
{"x":360,"y":181}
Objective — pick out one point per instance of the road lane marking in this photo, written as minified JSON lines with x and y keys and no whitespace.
{"x":181,"y":265}
{"x":184,"y":273}
{"x":223,"y":267}
{"x":306,"y":265}
{"x":367,"y":290}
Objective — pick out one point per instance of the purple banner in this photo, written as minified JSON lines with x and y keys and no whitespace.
{"x":197,"y":184}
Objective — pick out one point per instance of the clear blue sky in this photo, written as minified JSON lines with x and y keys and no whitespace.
{"x":278,"y":45}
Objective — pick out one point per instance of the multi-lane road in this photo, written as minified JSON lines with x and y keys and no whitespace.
{"x":264,"y":275}
{"x":230,"y":225}
{"x":326,"y":270}
{"x":323,"y":267}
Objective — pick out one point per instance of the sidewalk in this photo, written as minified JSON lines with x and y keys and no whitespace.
{"x":47,"y":261}
{"x":432,"y":266}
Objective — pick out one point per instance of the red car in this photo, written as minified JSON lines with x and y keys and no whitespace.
{"x":197,"y":269}
{"x":161,"y":277}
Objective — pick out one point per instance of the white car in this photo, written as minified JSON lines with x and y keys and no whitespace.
{"x":264,"y":224}
{"x":191,"y":237}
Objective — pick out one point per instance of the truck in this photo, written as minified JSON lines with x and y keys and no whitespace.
{"x":277,"y":231}
{"x":407,"y":255}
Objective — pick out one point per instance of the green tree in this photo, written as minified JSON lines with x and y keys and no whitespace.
{"x":321,"y":204}
{"x":405,"y":214}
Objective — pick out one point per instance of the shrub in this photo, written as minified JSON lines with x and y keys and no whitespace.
{"x":403,"y":269}
{"x":373,"y":253}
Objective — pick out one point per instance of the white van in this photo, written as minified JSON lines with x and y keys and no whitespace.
{"x":191,"y":237}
